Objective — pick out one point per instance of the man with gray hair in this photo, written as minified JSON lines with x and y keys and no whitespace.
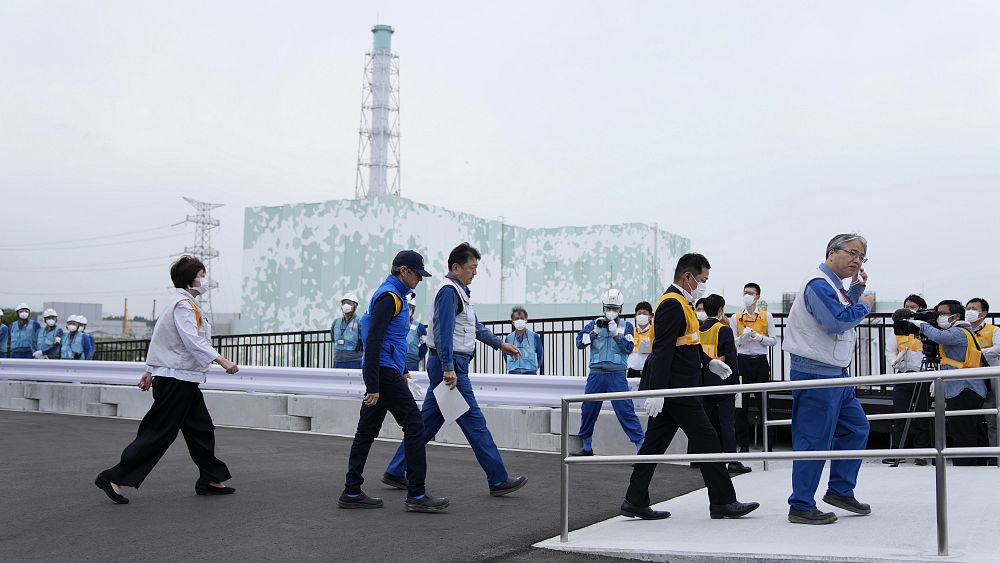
{"x":820,"y":338}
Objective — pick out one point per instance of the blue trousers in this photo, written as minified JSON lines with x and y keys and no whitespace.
{"x":353,"y":364}
{"x":24,"y":353}
{"x":825,"y":419}
{"x":472,"y":423}
{"x":609,"y":382}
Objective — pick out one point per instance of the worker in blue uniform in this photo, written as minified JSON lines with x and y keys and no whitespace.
{"x":348,"y":348}
{"x":416,"y":339}
{"x":4,"y":337}
{"x":50,"y":337}
{"x":611,"y":340}
{"x":88,"y":341}
{"x":527,"y":341}
{"x":820,"y":337}
{"x":72,"y":342}
{"x":452,"y":340}
{"x":24,"y":333}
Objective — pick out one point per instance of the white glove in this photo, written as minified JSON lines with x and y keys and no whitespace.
{"x":746,"y":331}
{"x":423,"y":339}
{"x":415,"y":389}
{"x":916,"y":322}
{"x":899,"y":359}
{"x":585,"y":339}
{"x":613,"y":328}
{"x":37,"y":354}
{"x":654,"y":406}
{"x":718,"y":367}
{"x":756,"y":337}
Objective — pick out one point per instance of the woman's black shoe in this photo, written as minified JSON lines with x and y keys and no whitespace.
{"x":104,"y":484}
{"x":203,"y":488}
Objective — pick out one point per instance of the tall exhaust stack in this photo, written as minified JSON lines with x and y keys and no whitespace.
{"x":378,"y":140}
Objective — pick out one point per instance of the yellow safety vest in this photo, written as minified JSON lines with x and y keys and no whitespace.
{"x":910,"y":343}
{"x":973,"y":357}
{"x":985,"y":335}
{"x":691,"y":332}
{"x":757,"y":323}
{"x":710,"y":341}
{"x":641,"y":337}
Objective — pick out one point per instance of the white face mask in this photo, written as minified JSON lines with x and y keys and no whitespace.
{"x":748,"y":299}
{"x":611,"y":315}
{"x":519,"y":324}
{"x":972,"y":316}
{"x":50,"y":322}
{"x":642,"y":320}
{"x":72,"y":328}
{"x":23,"y":315}
{"x":347,"y":308}
{"x":698,"y":291}
{"x":204,"y":287}
{"x":943,"y":322}
{"x":702,"y":315}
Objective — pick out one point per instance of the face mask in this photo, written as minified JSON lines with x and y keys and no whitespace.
{"x":698,"y":291}
{"x":23,"y":315}
{"x":347,"y":308}
{"x":642,"y":320}
{"x":943,"y":322}
{"x":611,"y":315}
{"x":972,"y":316}
{"x":519,"y":324}
{"x":50,"y":322}
{"x":72,"y":328}
{"x":702,"y":315}
{"x":748,"y":299}
{"x":203,"y":288}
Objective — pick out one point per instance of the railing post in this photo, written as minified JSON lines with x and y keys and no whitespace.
{"x":763,"y":417}
{"x":564,"y":474}
{"x":941,"y":483}
{"x":302,"y":349}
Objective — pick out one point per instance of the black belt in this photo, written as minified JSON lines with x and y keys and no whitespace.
{"x":753,"y":356}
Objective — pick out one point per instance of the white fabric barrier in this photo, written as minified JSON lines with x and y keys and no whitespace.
{"x":491,"y":389}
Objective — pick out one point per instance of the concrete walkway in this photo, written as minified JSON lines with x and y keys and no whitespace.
{"x":900,"y":528}
{"x":285,"y":505}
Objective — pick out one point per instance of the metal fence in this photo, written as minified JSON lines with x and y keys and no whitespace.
{"x":939,"y":451}
{"x":561,"y":357}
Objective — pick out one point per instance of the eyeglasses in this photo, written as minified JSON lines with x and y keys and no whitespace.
{"x":854,"y":254}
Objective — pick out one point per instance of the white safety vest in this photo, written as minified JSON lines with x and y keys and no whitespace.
{"x":464,"y":337}
{"x":166,"y":348}
{"x":807,"y":338}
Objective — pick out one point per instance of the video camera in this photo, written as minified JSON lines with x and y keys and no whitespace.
{"x":602,"y":323}
{"x":902,"y":327}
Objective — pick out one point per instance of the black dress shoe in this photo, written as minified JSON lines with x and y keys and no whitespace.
{"x":744,"y":449}
{"x":426,"y":503}
{"x":920,"y":461}
{"x":395,"y":482}
{"x":203,"y":488}
{"x":644,"y":512}
{"x":811,"y":516}
{"x":737,"y":467}
{"x":104,"y":484}
{"x":732,"y":510}
{"x":360,"y":500}
{"x":582,"y":452}
{"x":508,"y":486}
{"x":849,"y":504}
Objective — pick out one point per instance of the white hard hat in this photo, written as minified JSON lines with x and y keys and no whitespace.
{"x":22,"y":306}
{"x":50,"y":313}
{"x":612,"y":298}
{"x":350,"y":297}
{"x":73,"y":319}
{"x":81,"y":319}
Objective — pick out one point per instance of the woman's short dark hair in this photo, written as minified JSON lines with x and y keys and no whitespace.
{"x":185,"y":270}
{"x":916,"y":299}
{"x":462,"y":253}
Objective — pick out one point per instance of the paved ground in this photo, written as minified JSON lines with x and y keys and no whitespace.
{"x":285,"y":505}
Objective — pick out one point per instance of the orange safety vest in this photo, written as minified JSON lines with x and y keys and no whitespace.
{"x":757,"y":322}
{"x":691,"y":332}
{"x":909,"y":342}
{"x":710,"y":341}
{"x":985,"y":335}
{"x":642,"y":337}
{"x":973,"y":357}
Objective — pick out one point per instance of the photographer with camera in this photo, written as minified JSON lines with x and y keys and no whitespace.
{"x":989,"y":341}
{"x":905,"y":352}
{"x":611,"y":340}
{"x":959,"y":349}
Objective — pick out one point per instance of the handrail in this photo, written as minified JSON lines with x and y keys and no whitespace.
{"x":940,"y":452}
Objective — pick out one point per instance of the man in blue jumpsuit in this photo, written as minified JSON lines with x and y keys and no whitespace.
{"x":820,"y":338}
{"x":610,"y":344}
{"x":385,"y":326}
{"x":416,"y":340}
{"x":50,"y":337}
{"x":452,"y":339}
{"x":72,"y":342}
{"x":88,"y":341}
{"x":528,"y":342}
{"x":348,"y":348}
{"x":24,"y":334}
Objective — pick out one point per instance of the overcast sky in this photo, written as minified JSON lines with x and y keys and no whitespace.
{"x":758,"y":130}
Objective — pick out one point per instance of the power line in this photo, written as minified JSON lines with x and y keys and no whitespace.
{"x":148,"y":290}
{"x":103,"y":269}
{"x":98,"y":245}
{"x":70,"y":241}
{"x":99,"y":266}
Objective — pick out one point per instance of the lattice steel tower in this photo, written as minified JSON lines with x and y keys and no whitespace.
{"x":202,"y":247}
{"x":378,"y":139}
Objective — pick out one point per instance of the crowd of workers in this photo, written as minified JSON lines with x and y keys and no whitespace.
{"x":27,"y":338}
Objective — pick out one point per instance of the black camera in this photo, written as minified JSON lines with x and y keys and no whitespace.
{"x":602,"y":323}
{"x":902,"y":327}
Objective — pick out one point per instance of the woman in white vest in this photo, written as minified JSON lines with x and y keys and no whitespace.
{"x":179,"y":355}
{"x":820,"y":338}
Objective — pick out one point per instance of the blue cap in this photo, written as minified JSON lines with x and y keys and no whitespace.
{"x":412,"y":260}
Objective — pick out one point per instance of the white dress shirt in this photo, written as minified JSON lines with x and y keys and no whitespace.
{"x":198,"y":345}
{"x":745,"y":346}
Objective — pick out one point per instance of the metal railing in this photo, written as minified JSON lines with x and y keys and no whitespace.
{"x":940,"y":452}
